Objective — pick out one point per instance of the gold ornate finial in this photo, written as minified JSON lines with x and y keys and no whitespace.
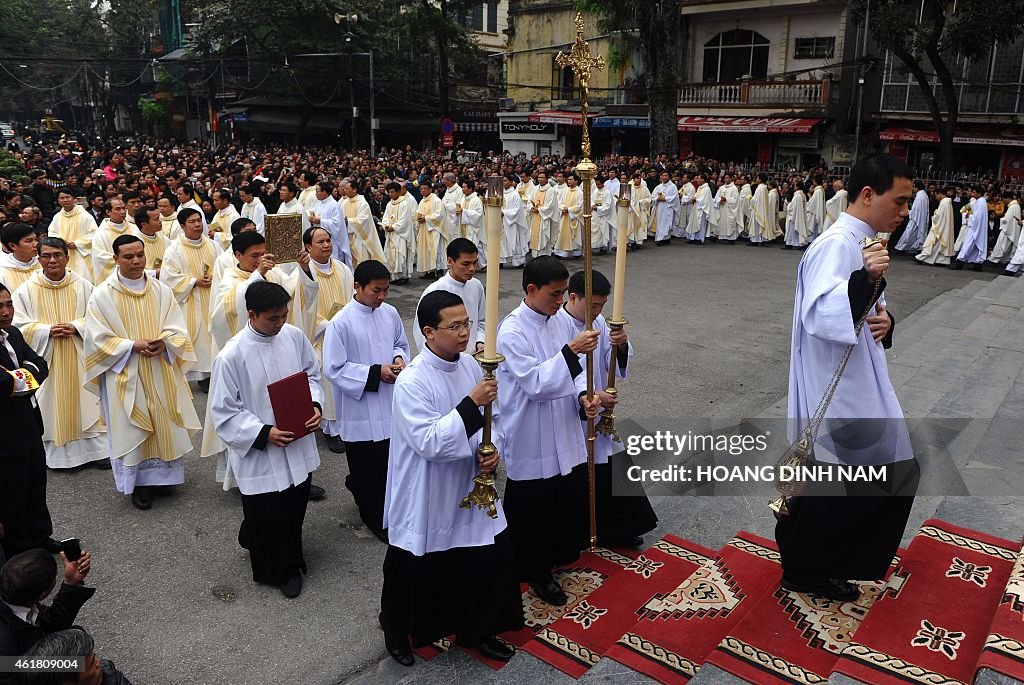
{"x":582,"y":63}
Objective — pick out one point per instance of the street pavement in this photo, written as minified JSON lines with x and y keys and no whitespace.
{"x":176,"y":604}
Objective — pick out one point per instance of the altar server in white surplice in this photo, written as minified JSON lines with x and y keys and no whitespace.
{"x":834,"y":535}
{"x":919,"y":222}
{"x":938,"y":246}
{"x":665,"y":209}
{"x":365,"y":349}
{"x":74,"y":226}
{"x":327,"y":214}
{"x":252,"y":207}
{"x":515,"y":236}
{"x":624,"y":518}
{"x":727,"y":201}
{"x":836,"y":204}
{"x":335,"y":281}
{"x":399,"y":224}
{"x":273,"y":467}
{"x":687,"y":192}
{"x":1009,"y":232}
{"x":448,"y":570}
{"x":290,"y":204}
{"x":452,"y":203}
{"x":975,"y":234}
{"x":462,"y":265}
{"x":603,"y":209}
{"x":49,"y":310}
{"x":187,"y":270}
{"x":541,"y":388}
{"x":137,"y":348}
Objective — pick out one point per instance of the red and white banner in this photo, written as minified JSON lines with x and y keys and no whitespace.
{"x":554,"y":116}
{"x":746,"y":124}
{"x":977,"y":136}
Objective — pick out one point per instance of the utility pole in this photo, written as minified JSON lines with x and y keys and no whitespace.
{"x":862,"y":72}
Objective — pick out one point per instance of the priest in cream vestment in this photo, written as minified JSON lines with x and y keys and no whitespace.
{"x":75,"y":227}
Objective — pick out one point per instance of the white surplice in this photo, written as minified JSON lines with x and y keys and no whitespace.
{"x":332,"y":221}
{"x":918,"y":224}
{"x":975,"y":244}
{"x":472,"y":226}
{"x":538,"y":394}
{"x":452,"y":226}
{"x":255,"y":212}
{"x":432,"y":462}
{"x":835,"y":206}
{"x":823,"y":327}
{"x":1009,"y":234}
{"x":728,"y":212}
{"x":600,"y":225}
{"x":664,"y":213}
{"x":515,"y":242}
{"x":815,"y":212}
{"x":358,"y":338}
{"x":240,"y":407}
{"x":472,"y":294}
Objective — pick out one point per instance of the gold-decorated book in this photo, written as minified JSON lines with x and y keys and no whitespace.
{"x":284,"y":236}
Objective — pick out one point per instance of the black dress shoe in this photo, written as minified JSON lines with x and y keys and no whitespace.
{"x":336,"y":444}
{"x":786,"y":247}
{"x":397,"y":643}
{"x":316,"y":493}
{"x":1011,"y":274}
{"x":292,"y":587}
{"x":102,"y":464}
{"x":380,"y":534}
{"x":493,"y":648}
{"x":975,"y":267}
{"x":550,"y":591}
{"x":142,"y":498}
{"x":204,"y":385}
{"x":956,"y":265}
{"x":839,"y":590}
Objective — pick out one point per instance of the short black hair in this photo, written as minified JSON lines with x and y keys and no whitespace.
{"x":142,"y":214}
{"x":240,"y":223}
{"x":602,"y":286}
{"x":307,"y":235}
{"x":53,"y":241}
{"x":393,"y":186}
{"x":183,"y":215}
{"x":543,"y":270}
{"x":14,"y":232}
{"x":370,"y":270}
{"x":428,"y":312}
{"x":124,"y":240}
{"x":263,"y":296}
{"x":27,"y":576}
{"x":290,"y":186}
{"x":878,"y":173}
{"x":243,"y":241}
{"x":248,"y":189}
{"x":325,"y":187}
{"x":460,"y":246}
{"x":222,"y":194}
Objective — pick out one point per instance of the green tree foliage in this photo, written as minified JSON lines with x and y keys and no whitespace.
{"x":926,"y":36}
{"x":655,"y":25}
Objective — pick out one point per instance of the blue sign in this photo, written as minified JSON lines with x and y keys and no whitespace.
{"x":621,"y":122}
{"x":240,"y":117}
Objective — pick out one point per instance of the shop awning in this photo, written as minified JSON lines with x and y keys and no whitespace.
{"x":746,"y":124}
{"x":966,"y":136}
{"x":621,"y":122}
{"x":555,"y":116}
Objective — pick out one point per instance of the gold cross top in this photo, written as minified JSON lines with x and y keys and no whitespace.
{"x":582,"y":63}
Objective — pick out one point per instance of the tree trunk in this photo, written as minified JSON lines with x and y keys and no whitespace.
{"x":659,"y":31}
{"x":947,"y":159}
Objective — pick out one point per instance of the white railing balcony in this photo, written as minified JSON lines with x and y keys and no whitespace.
{"x":805,"y":94}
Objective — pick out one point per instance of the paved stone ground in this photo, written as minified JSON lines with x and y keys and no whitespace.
{"x":176,"y":603}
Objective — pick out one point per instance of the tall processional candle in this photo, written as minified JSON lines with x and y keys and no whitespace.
{"x":492,"y":224}
{"x":621,"y":246}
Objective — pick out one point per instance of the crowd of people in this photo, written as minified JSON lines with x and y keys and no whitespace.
{"x":146,"y":275}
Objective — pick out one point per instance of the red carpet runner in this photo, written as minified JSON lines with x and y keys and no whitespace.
{"x":579,"y":580}
{"x":933,"y":625}
{"x":1004,"y":648}
{"x":576,"y":641}
{"x":677,"y":630}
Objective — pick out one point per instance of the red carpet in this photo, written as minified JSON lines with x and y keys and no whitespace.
{"x":578,"y":580}
{"x":677,"y":631}
{"x":1004,"y":648}
{"x":790,"y":637}
{"x":932,"y":626}
{"x":576,"y":641}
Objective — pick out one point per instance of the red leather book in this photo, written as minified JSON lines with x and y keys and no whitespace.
{"x":292,"y":403}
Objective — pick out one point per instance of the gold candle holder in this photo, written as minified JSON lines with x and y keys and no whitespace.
{"x":606,"y":424}
{"x":484,"y":494}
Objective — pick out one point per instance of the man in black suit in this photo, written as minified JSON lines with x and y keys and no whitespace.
{"x":23,"y":512}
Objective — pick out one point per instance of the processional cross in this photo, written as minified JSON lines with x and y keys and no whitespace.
{"x":582,"y":63}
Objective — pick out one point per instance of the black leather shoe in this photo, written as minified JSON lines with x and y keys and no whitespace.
{"x":102,"y":464}
{"x":292,"y":587}
{"x":493,"y":648}
{"x":316,"y":493}
{"x":550,"y":591}
{"x":336,"y":444}
{"x":957,"y":265}
{"x":142,"y":498}
{"x":381,"y":534}
{"x":204,"y":385}
{"x":839,"y":590}
{"x":396,"y":643}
